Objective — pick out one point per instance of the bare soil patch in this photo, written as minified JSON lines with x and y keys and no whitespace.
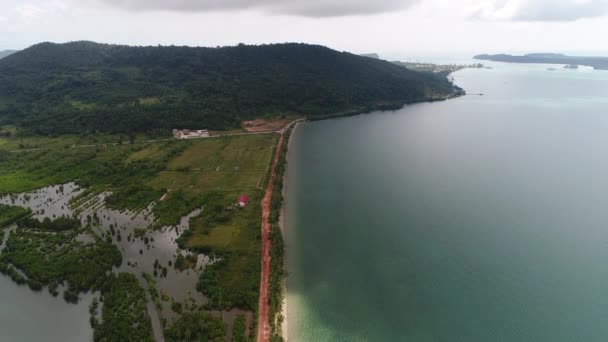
{"x":261,"y":125}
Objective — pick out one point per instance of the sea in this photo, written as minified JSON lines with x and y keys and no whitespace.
{"x":481,"y":218}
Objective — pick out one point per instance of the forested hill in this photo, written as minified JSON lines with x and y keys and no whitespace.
{"x":84,"y":86}
{"x":5,"y":53}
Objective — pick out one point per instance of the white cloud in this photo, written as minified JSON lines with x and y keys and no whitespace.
{"x":29,"y":12}
{"x":58,"y":5}
{"x":539,"y":10}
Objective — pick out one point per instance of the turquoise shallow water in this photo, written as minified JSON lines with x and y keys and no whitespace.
{"x":483,"y":218}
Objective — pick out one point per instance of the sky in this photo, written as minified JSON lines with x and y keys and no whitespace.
{"x":400,"y":29}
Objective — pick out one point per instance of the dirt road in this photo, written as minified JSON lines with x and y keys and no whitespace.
{"x":263,"y":326}
{"x":280,"y":131}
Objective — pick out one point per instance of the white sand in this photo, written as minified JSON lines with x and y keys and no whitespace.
{"x":285,"y":324}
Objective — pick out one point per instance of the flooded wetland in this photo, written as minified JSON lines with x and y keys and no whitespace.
{"x":178,"y":253}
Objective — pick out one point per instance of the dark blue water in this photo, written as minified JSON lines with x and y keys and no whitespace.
{"x":483,"y":218}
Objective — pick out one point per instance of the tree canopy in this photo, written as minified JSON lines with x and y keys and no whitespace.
{"x":88,"y":87}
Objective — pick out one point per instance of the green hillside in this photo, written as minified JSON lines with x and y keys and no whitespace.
{"x":86,"y":87}
{"x":5,"y":53}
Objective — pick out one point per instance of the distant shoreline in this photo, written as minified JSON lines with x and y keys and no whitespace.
{"x":597,"y":63}
{"x":458,"y":92}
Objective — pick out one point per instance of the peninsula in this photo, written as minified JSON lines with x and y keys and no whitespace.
{"x":159,"y":173}
{"x":436,"y":68}
{"x":599,"y":63}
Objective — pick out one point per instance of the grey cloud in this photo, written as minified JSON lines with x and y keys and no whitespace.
{"x":306,"y":8}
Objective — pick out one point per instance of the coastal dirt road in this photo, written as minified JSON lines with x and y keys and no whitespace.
{"x":263,"y":326}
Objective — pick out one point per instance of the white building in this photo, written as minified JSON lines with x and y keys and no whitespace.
{"x":190,"y":134}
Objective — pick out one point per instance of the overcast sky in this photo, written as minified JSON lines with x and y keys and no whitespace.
{"x":393,"y":28}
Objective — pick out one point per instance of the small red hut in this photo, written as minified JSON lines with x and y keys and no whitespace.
{"x":242,"y":201}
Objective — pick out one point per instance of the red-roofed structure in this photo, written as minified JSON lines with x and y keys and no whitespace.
{"x":242,"y":201}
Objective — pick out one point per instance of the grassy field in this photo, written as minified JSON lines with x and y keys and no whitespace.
{"x":235,"y":163}
{"x":152,"y":151}
{"x":246,"y":152}
{"x":234,"y":281}
{"x":11,"y":141}
{"x":231,"y":235}
{"x":225,"y":168}
{"x":18,"y":181}
{"x":234,"y":236}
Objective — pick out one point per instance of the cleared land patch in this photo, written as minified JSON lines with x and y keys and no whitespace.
{"x":264,"y":125}
{"x":224,"y":164}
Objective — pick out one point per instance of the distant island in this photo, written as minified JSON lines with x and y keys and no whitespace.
{"x":370,"y":55}
{"x":6,"y":53}
{"x":599,"y":63}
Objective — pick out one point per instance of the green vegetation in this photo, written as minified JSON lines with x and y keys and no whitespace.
{"x":87,"y":87}
{"x":275,"y":283}
{"x":55,"y":258}
{"x":152,"y":290}
{"x":124,"y":316}
{"x":27,"y":171}
{"x":231,"y":282}
{"x":247,"y":152}
{"x":9,"y":214}
{"x":233,"y":236}
{"x":11,"y":139}
{"x":97,"y":168}
{"x":212,"y":230}
{"x":196,"y":326}
{"x":239,"y":329}
{"x":177,"y":205}
{"x":223,"y":230}
{"x":178,"y":176}
{"x":185,"y":262}
{"x":134,"y":196}
{"x":59,"y":224}
{"x":177,"y":307}
{"x":222,"y":164}
{"x":277,"y":248}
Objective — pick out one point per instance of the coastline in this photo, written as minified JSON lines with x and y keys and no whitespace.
{"x":264,"y":329}
{"x":458,"y":92}
{"x":273,"y":273}
{"x":284,"y":322}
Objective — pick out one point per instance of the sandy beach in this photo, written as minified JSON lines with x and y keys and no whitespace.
{"x":285,"y":325}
